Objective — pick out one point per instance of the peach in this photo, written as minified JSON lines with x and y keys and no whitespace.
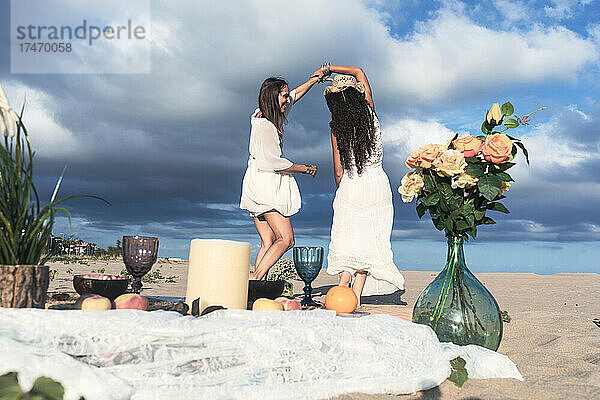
{"x":131,"y":301}
{"x":93,"y":302}
{"x":267,"y":304}
{"x":289,"y":304}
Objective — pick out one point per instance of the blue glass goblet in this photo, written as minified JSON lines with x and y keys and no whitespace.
{"x":308,"y":262}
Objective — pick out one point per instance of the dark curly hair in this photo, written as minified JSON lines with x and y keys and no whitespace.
{"x":353,"y":127}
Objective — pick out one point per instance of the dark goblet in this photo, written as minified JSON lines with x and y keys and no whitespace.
{"x":308,"y":262}
{"x":139,"y":254}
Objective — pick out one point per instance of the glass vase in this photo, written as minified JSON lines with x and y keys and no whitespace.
{"x":457,"y":306}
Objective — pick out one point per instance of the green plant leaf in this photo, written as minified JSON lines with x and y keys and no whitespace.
{"x":9,"y":387}
{"x":459,"y":374}
{"x":489,"y":186}
{"x":47,"y":389}
{"x":505,"y":317}
{"x":474,"y":169}
{"x":449,"y":224}
{"x":511,"y":123}
{"x":428,"y":180}
{"x":503,"y":176}
{"x":445,"y":189}
{"x":461,"y":225}
{"x":507,"y":109}
{"x":470,"y":220}
{"x":467,"y":208}
{"x":472,"y":232}
{"x":505,"y":166}
{"x":525,"y":152}
{"x":498,"y":207}
{"x":479,"y":215}
{"x":421,"y":210}
{"x":486,"y":128}
{"x":437,"y":222}
{"x":431,"y":200}
{"x":488,"y":221}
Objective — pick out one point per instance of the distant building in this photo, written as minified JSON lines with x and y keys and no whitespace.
{"x":61,"y":246}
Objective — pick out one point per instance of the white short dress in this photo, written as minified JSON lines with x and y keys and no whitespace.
{"x":265,"y":188}
{"x":363,"y":214}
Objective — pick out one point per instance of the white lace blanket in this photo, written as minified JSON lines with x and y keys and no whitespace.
{"x":230,"y":354}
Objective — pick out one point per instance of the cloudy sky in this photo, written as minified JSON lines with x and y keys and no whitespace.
{"x":168,"y":148}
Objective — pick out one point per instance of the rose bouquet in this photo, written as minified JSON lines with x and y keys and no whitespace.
{"x":457,"y":183}
{"x":460,"y":181}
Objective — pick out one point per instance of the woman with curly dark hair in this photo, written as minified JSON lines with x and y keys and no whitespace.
{"x":360,"y":250}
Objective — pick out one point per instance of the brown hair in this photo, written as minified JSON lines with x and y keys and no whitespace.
{"x":268,"y":102}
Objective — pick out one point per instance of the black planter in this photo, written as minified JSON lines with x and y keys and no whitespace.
{"x":264,"y":289}
{"x":110,"y":286}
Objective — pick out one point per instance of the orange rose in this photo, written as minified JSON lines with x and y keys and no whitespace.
{"x":494,"y":116}
{"x":469,"y":145}
{"x":497,"y":148}
{"x":429,"y":153}
{"x":413,"y":161}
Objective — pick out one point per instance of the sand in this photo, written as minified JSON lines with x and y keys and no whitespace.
{"x":552,"y":336}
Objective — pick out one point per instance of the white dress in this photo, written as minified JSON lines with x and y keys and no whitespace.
{"x":363,"y":214}
{"x":264,"y":188}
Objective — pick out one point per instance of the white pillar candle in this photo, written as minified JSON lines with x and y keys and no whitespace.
{"x":218,"y":273}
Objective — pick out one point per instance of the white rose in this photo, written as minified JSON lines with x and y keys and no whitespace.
{"x":464,"y":181}
{"x":450,"y":163}
{"x":412,"y":184}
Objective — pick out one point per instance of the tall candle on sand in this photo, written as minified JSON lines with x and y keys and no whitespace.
{"x":218,"y":274}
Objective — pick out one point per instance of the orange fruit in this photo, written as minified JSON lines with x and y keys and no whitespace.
{"x":341,"y":299}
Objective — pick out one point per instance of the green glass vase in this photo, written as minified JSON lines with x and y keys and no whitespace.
{"x":457,"y":306}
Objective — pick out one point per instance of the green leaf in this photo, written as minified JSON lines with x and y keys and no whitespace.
{"x":431,"y":200}
{"x":473,"y":160}
{"x":421,"y":210}
{"x":507,"y":109}
{"x":472,"y":232}
{"x":428,"y":180}
{"x":448,"y":223}
{"x":467,"y":208}
{"x":471,"y":220}
{"x":479,"y":215}
{"x":525,"y":152}
{"x":505,"y":317}
{"x":486,"y":128}
{"x":461,"y":225}
{"x":489,"y":186}
{"x":488,"y":221}
{"x":474,"y":169}
{"x":511,"y":123}
{"x":445,"y":189}
{"x":47,"y":389}
{"x":9,"y":387}
{"x":505,"y":166}
{"x":497,"y":207}
{"x":459,"y":374}
{"x":437,"y":222}
{"x":503,"y":176}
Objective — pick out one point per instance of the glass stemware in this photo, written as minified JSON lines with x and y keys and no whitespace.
{"x":308,"y":262}
{"x":139,"y":254}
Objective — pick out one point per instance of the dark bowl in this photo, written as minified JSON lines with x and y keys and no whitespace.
{"x":267,"y":289}
{"x":111,"y":286}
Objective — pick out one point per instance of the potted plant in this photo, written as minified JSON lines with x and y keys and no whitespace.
{"x":25,"y":224}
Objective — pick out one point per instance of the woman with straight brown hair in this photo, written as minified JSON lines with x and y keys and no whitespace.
{"x":269,"y":192}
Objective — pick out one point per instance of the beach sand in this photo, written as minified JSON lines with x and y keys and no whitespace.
{"x":552,"y":336}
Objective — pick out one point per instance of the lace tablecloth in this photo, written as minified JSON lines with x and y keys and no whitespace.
{"x":230,"y":354}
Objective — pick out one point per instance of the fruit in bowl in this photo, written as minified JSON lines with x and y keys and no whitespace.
{"x":110,"y":286}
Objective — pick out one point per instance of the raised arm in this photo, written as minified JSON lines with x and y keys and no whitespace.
{"x":305,"y":87}
{"x":360,"y":76}
{"x":338,"y":171}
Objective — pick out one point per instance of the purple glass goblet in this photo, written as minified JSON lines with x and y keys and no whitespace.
{"x":139,"y":254}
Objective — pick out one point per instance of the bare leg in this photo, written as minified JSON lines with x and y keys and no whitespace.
{"x":284,"y":240}
{"x":359,"y":282}
{"x":267,"y":237}
{"x":345,"y":277}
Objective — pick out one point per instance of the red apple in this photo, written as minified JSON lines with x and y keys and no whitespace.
{"x":131,"y":301}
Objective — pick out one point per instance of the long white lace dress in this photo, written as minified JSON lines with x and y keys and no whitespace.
{"x":363,"y":214}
